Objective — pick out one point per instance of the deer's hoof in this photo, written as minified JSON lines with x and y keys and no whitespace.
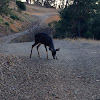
{"x":30,"y":56}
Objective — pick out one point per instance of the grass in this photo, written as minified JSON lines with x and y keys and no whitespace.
{"x":14,"y":17}
{"x":1,"y":20}
{"x":12,"y":22}
{"x":21,"y":21}
{"x":82,"y":40}
{"x":6,"y":23}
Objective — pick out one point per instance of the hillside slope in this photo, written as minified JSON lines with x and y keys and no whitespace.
{"x":25,"y":18}
{"x":74,"y":76}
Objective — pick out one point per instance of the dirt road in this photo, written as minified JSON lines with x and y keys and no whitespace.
{"x":74,"y":76}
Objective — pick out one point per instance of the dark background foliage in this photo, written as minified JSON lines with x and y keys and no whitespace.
{"x":81,"y":19}
{"x":4,"y":4}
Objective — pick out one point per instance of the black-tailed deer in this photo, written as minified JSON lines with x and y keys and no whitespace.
{"x":42,"y":38}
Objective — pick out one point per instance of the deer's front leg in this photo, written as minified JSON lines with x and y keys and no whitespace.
{"x":46,"y":50}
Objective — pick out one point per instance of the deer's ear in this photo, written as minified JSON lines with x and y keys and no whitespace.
{"x":58,"y":49}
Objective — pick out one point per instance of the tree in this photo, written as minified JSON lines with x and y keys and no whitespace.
{"x":21,"y":5}
{"x":4,"y":4}
{"x":94,"y":22}
{"x":75,"y":18}
{"x":95,"y":29}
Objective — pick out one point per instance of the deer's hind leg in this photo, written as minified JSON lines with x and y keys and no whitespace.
{"x":38,"y":48}
{"x":32,"y":48}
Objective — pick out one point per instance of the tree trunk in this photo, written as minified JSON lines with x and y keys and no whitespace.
{"x":79,"y":29}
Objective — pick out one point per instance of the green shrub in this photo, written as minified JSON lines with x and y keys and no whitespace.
{"x":21,"y":5}
{"x":12,"y":30}
{"x":14,"y":17}
{"x":6,"y":23}
{"x":18,"y":29}
{"x":1,"y":20}
{"x":12,"y":22}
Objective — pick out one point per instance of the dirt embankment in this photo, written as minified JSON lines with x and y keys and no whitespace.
{"x":14,"y":22}
{"x":25,"y":18}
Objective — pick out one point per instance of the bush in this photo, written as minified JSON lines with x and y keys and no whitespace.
{"x":12,"y":22}
{"x":47,"y":4}
{"x":21,"y":5}
{"x":14,"y":17}
{"x":1,"y":20}
{"x":6,"y":23}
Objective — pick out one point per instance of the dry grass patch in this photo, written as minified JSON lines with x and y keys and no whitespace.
{"x":83,"y":40}
{"x":12,"y":26}
{"x":52,"y":18}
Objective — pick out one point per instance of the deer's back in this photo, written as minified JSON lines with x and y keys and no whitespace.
{"x":43,"y":38}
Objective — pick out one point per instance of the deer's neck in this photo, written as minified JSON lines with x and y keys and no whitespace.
{"x":52,"y":46}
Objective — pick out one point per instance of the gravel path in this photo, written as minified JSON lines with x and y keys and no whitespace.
{"x":74,"y":76}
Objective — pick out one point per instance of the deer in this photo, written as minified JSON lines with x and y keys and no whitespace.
{"x":47,"y":40}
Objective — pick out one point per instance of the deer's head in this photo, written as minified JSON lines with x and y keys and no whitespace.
{"x":53,"y":51}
